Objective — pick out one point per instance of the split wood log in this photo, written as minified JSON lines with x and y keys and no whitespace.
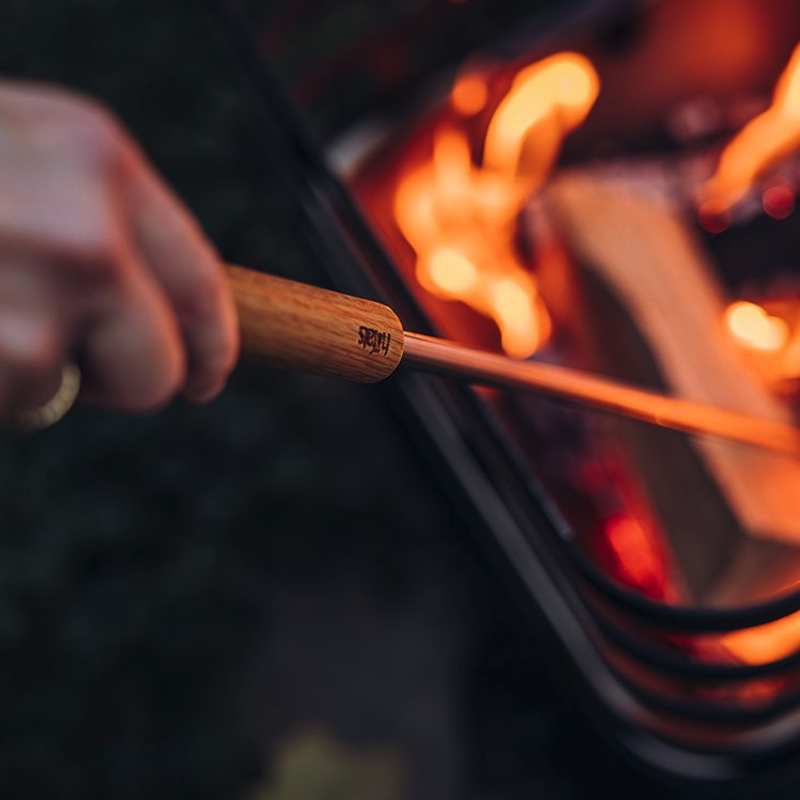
{"x":642,"y":250}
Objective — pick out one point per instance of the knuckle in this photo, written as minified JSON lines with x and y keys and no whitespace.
{"x":88,"y":259}
{"x":68,"y":124}
{"x":93,"y":248}
{"x":94,"y":136}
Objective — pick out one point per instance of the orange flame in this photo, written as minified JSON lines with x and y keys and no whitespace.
{"x":460,"y":218}
{"x":470,"y":94}
{"x":560,"y":89}
{"x":767,"y":642}
{"x":772,"y":339}
{"x":766,"y":139}
{"x":753,"y":327}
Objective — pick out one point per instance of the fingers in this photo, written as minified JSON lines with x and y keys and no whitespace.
{"x":30,"y":339}
{"x":30,"y":359}
{"x":141,"y":296}
{"x":132,"y":356}
{"x":190,"y":272}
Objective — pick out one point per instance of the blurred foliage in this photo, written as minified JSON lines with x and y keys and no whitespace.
{"x":314,"y":766}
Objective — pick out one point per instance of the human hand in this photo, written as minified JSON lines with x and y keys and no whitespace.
{"x":101,"y":264}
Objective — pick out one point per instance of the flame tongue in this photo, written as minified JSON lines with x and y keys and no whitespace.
{"x":461,"y":219}
{"x":766,"y":139}
{"x":560,"y":91}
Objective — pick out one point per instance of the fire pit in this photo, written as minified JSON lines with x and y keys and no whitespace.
{"x":613,"y":190}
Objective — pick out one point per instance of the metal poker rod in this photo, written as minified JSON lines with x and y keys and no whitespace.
{"x":476,"y":366}
{"x":294,"y":326}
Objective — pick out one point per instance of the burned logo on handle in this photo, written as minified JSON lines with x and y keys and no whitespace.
{"x":374,"y":340}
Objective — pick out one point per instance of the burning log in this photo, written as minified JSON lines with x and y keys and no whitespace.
{"x":732,"y":514}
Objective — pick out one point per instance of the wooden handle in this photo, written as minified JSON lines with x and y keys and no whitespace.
{"x":293,"y":326}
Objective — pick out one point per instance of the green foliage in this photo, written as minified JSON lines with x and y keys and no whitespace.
{"x":312,"y":765}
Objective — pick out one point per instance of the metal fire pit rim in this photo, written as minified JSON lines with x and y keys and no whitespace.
{"x":672,"y":663}
{"x":695,"y":619}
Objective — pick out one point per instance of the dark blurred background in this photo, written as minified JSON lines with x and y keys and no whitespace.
{"x":269,"y":597}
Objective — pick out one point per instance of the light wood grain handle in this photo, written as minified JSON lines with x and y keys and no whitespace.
{"x":303,"y":328}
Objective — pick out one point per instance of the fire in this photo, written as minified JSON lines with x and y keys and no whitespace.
{"x":451,"y":272}
{"x":773,"y":339}
{"x":766,"y":139}
{"x":753,"y":327}
{"x":767,"y":642}
{"x":470,"y":94}
{"x":560,"y":90}
{"x":640,"y":560}
{"x":460,"y":218}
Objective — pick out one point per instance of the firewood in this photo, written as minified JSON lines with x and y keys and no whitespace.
{"x":637,"y":257}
